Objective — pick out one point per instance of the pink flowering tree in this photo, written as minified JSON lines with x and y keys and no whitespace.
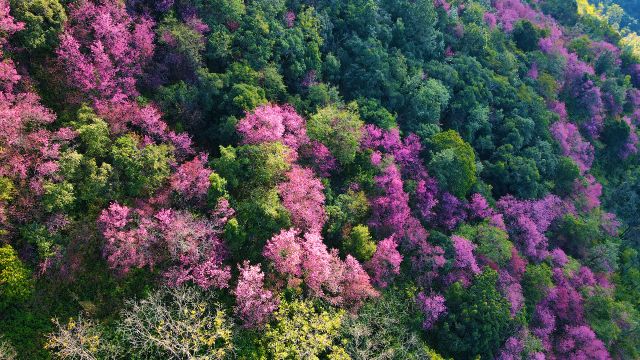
{"x":384,"y":266}
{"x":433,"y":307}
{"x":285,"y":252}
{"x":318,"y":156}
{"x":126,"y":246}
{"x":464,"y":266}
{"x":302,"y":196}
{"x":356,"y":284}
{"x":191,"y":246}
{"x":580,"y":342}
{"x":30,"y":151}
{"x":254,"y":303}
{"x":128,"y":115}
{"x":8,"y":26}
{"x":478,"y":209}
{"x":509,"y":12}
{"x":528,"y":220}
{"x":573,"y":145}
{"x":323,"y":269}
{"x":269,"y":123}
{"x":512,"y":349}
{"x":390,"y":209}
{"x":512,"y":291}
{"x":630,"y":146}
{"x":450,"y":212}
{"x":103,"y":50}
{"x":426,"y":259}
{"x":191,"y":179}
{"x":196,"y":248}
{"x":407,"y":155}
{"x":586,"y":193}
{"x":307,"y":260}
{"x":562,"y":306}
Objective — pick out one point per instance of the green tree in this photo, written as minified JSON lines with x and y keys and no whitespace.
{"x":566,"y":11}
{"x":251,"y":174}
{"x":93,"y":133}
{"x":250,"y":167}
{"x":624,"y":197}
{"x":16,"y":284}
{"x":298,"y":48}
{"x":372,"y":112}
{"x":516,"y":175}
{"x":526,"y":35}
{"x":615,"y":322}
{"x":388,"y":327}
{"x":58,"y":196}
{"x":492,"y":242}
{"x":478,"y":319}
{"x":567,"y":172}
{"x":185,"y":40}
{"x":414,"y":27}
{"x":453,"y":163}
{"x":247,"y":236}
{"x":302,"y":330}
{"x":584,"y":238}
{"x":426,"y":100}
{"x":535,"y":284}
{"x":339,"y":129}
{"x":143,"y":170}
{"x":344,"y":210}
{"x":43,"y":20}
{"x":359,"y":243}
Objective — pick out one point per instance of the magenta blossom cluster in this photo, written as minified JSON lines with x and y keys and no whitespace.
{"x":573,"y":144}
{"x":307,"y":260}
{"x":254,"y":303}
{"x":528,"y":220}
{"x":433,"y":307}
{"x":191,"y":179}
{"x":104,"y":50}
{"x":302,"y":196}
{"x":385,"y":263}
{"x":464,"y":266}
{"x":269,"y":123}
{"x":191,"y":246}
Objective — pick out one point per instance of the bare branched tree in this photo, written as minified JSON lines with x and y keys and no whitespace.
{"x":7,"y":352}
{"x":177,"y":323}
{"x":78,"y":339}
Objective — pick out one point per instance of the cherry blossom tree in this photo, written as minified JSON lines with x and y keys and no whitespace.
{"x":528,"y":220}
{"x":270,"y":122}
{"x":302,"y":196}
{"x":580,"y":343}
{"x":285,"y":252}
{"x":128,"y":115}
{"x":406,"y":153}
{"x":254,"y":304}
{"x":103,"y":50}
{"x":573,"y":145}
{"x":319,"y":157}
{"x":307,"y":260}
{"x":191,"y":179}
{"x":433,"y":307}
{"x":586,"y":193}
{"x":464,"y":263}
{"x":390,"y":209}
{"x":385,"y":263}
{"x":192,"y":246}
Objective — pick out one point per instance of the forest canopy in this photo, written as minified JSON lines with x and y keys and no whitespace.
{"x":293,"y":179}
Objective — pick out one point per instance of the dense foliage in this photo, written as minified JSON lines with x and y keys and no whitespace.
{"x":289,"y":179}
